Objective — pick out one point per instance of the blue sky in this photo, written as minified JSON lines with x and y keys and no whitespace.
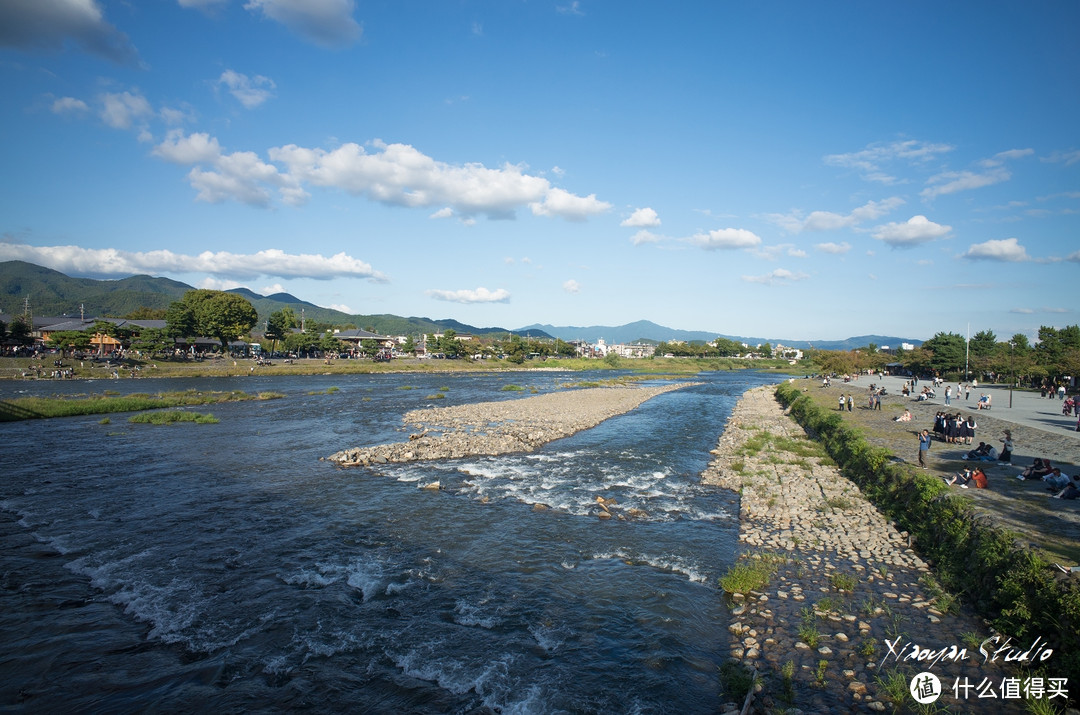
{"x":784,"y":169}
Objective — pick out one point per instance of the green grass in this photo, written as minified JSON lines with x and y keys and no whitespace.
{"x":28,"y":408}
{"x":168,"y":417}
{"x":842,"y":581}
{"x":751,"y":572}
{"x":327,"y":391}
{"x":512,"y":388}
{"x":436,"y":396}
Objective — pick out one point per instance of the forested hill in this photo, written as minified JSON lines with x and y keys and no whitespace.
{"x":52,"y":293}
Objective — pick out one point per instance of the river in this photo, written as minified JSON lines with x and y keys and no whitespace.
{"x":224,"y":567}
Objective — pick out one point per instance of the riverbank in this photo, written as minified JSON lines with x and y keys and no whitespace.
{"x":43,"y":368}
{"x":845,"y":585}
{"x":503,"y":427}
{"x":1051,"y":525}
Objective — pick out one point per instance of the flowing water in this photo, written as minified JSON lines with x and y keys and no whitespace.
{"x":225,"y":567}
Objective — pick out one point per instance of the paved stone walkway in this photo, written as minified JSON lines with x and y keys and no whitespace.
{"x":849,"y":588}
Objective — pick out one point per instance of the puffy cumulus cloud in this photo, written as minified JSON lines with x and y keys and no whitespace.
{"x":642,"y":218}
{"x":726,"y":238}
{"x":249,"y":91}
{"x":444,"y":212}
{"x":69,"y":105}
{"x":76,"y":260}
{"x":561,"y":203}
{"x":339,"y":307}
{"x":240,"y":176}
{"x":871,"y":159}
{"x":180,"y":148}
{"x":217,"y":284}
{"x":51,"y":24}
{"x":916,"y":230}
{"x":328,"y":23}
{"x":399,"y":174}
{"x":998,"y":249}
{"x":833,"y":248}
{"x":480,"y":295}
{"x":571,"y":286}
{"x":780,"y":275}
{"x":794,"y":222}
{"x":120,"y":110}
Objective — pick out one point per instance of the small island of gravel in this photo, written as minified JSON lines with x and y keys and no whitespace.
{"x":503,"y":427}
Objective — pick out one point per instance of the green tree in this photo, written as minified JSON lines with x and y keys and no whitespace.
{"x":213,"y":313}
{"x":20,"y":329}
{"x":145,"y":313}
{"x":278,"y":326}
{"x":409,"y":346}
{"x":64,"y":340}
{"x":983,"y":343}
{"x":153,"y":341}
{"x":948,"y":352}
{"x":329,"y":344}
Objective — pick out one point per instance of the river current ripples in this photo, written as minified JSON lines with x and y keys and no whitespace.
{"x":225,"y":567}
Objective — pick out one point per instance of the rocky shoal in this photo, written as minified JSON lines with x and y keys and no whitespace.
{"x":847,"y":585}
{"x":502,"y":427}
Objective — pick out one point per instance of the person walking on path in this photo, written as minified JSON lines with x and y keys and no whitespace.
{"x":924,"y":447}
{"x":1061,"y":392}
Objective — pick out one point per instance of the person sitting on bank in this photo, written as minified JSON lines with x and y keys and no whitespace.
{"x":964,"y":478}
{"x":1071,"y":490}
{"x":982,"y":453}
{"x":1056,"y":480}
{"x":1039,"y":469}
{"x":984,"y":402}
{"x":906,"y":417}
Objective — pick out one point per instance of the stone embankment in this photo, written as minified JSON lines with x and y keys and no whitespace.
{"x":503,"y":427}
{"x":846,"y":587}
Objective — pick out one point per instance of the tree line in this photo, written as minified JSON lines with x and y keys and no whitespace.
{"x":1050,"y":361}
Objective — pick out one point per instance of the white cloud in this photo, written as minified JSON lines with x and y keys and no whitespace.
{"x":834,"y":248}
{"x":642,"y":218}
{"x":916,"y":230}
{"x":571,"y":286}
{"x":828,"y":221}
{"x":200,"y":4}
{"x":726,"y":238}
{"x":196,"y":148}
{"x":1074,"y":257}
{"x":49,"y":24}
{"x":871,"y":159}
{"x":69,"y":105}
{"x":398,"y":174}
{"x":1002,"y":156}
{"x":120,"y":110}
{"x":209,"y":283}
{"x":574,"y":8}
{"x":1004,"y":249}
{"x":559,"y":202}
{"x":644,"y":236}
{"x":328,"y":23}
{"x":480,"y":295}
{"x":1022,"y":311}
{"x":950,"y":182}
{"x":76,"y":260}
{"x":780,"y":275}
{"x":340,"y":306}
{"x":771,"y":253}
{"x":444,"y":212}
{"x":249,"y":91}
{"x":1069,"y":157}
{"x":272,"y":289}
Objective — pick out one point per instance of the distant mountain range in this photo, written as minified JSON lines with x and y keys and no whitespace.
{"x":53,"y":293}
{"x":644,"y":330}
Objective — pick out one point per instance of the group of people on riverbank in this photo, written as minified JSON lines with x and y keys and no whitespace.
{"x":954,"y":428}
